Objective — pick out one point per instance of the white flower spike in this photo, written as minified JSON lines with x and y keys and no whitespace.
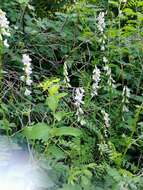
{"x":28,"y":71}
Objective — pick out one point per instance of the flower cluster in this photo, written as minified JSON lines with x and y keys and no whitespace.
{"x":101,"y":22}
{"x":4,"y":27}
{"x":96,"y":80}
{"x":125,"y":99}
{"x":101,"y":27}
{"x":106,"y":122}
{"x":106,"y":119}
{"x":65,"y":73}
{"x":28,"y":71}
{"x":78,"y":102}
{"x":110,"y":81}
{"x":4,"y":24}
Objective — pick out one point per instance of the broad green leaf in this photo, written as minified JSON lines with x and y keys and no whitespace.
{"x":61,"y":95}
{"x":54,"y":89}
{"x":56,"y":152}
{"x":59,"y":115}
{"x":65,"y":131}
{"x":37,"y":131}
{"x":52,"y":102}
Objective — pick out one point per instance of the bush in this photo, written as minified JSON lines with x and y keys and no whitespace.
{"x":71,"y":84}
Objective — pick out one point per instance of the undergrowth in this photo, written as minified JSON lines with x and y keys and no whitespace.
{"x":72,"y":88}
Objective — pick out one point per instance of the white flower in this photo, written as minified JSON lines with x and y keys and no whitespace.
{"x":79,"y":93}
{"x":110,"y":81}
{"x":78,"y":101}
{"x":6,"y":43}
{"x":29,"y":82}
{"x":106,"y":118}
{"x":101,"y":22}
{"x":126,"y":92}
{"x":125,"y":99}
{"x":28,"y":71}
{"x":124,"y":1}
{"x":22,"y":78}
{"x":27,"y":68}
{"x":79,"y":111}
{"x":125,"y":108}
{"x":27,"y":92}
{"x":4,"y":24}
{"x":105,"y":60}
{"x":26,"y":60}
{"x":102,"y":47}
{"x":96,"y":80}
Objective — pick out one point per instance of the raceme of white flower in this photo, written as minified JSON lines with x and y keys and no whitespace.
{"x":106,"y":119}
{"x":79,"y":93}
{"x":66,"y":78}
{"x":4,"y":24}
{"x":110,"y":81}
{"x":78,"y":102}
{"x":101,"y":22}
{"x":28,"y":71}
{"x":27,"y":92}
{"x":125,"y":99}
{"x":105,"y":60}
{"x":96,"y":80}
{"x":6,"y":43}
{"x":126,"y":92}
{"x":101,"y":27}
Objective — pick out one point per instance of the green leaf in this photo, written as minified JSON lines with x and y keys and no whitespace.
{"x":61,"y":95}
{"x":85,"y":180}
{"x":56,"y":152}
{"x":137,"y":98}
{"x":129,"y":11}
{"x":23,"y":1}
{"x":113,"y":3}
{"x":59,"y":115}
{"x":54,"y":89}
{"x":52,"y":102}
{"x":65,"y":131}
{"x":70,"y":187}
{"x":4,"y":124}
{"x":38,"y":131}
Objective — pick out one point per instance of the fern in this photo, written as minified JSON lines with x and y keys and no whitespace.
{"x":132,"y":3}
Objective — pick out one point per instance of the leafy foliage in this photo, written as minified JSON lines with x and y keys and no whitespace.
{"x":103,"y":149}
